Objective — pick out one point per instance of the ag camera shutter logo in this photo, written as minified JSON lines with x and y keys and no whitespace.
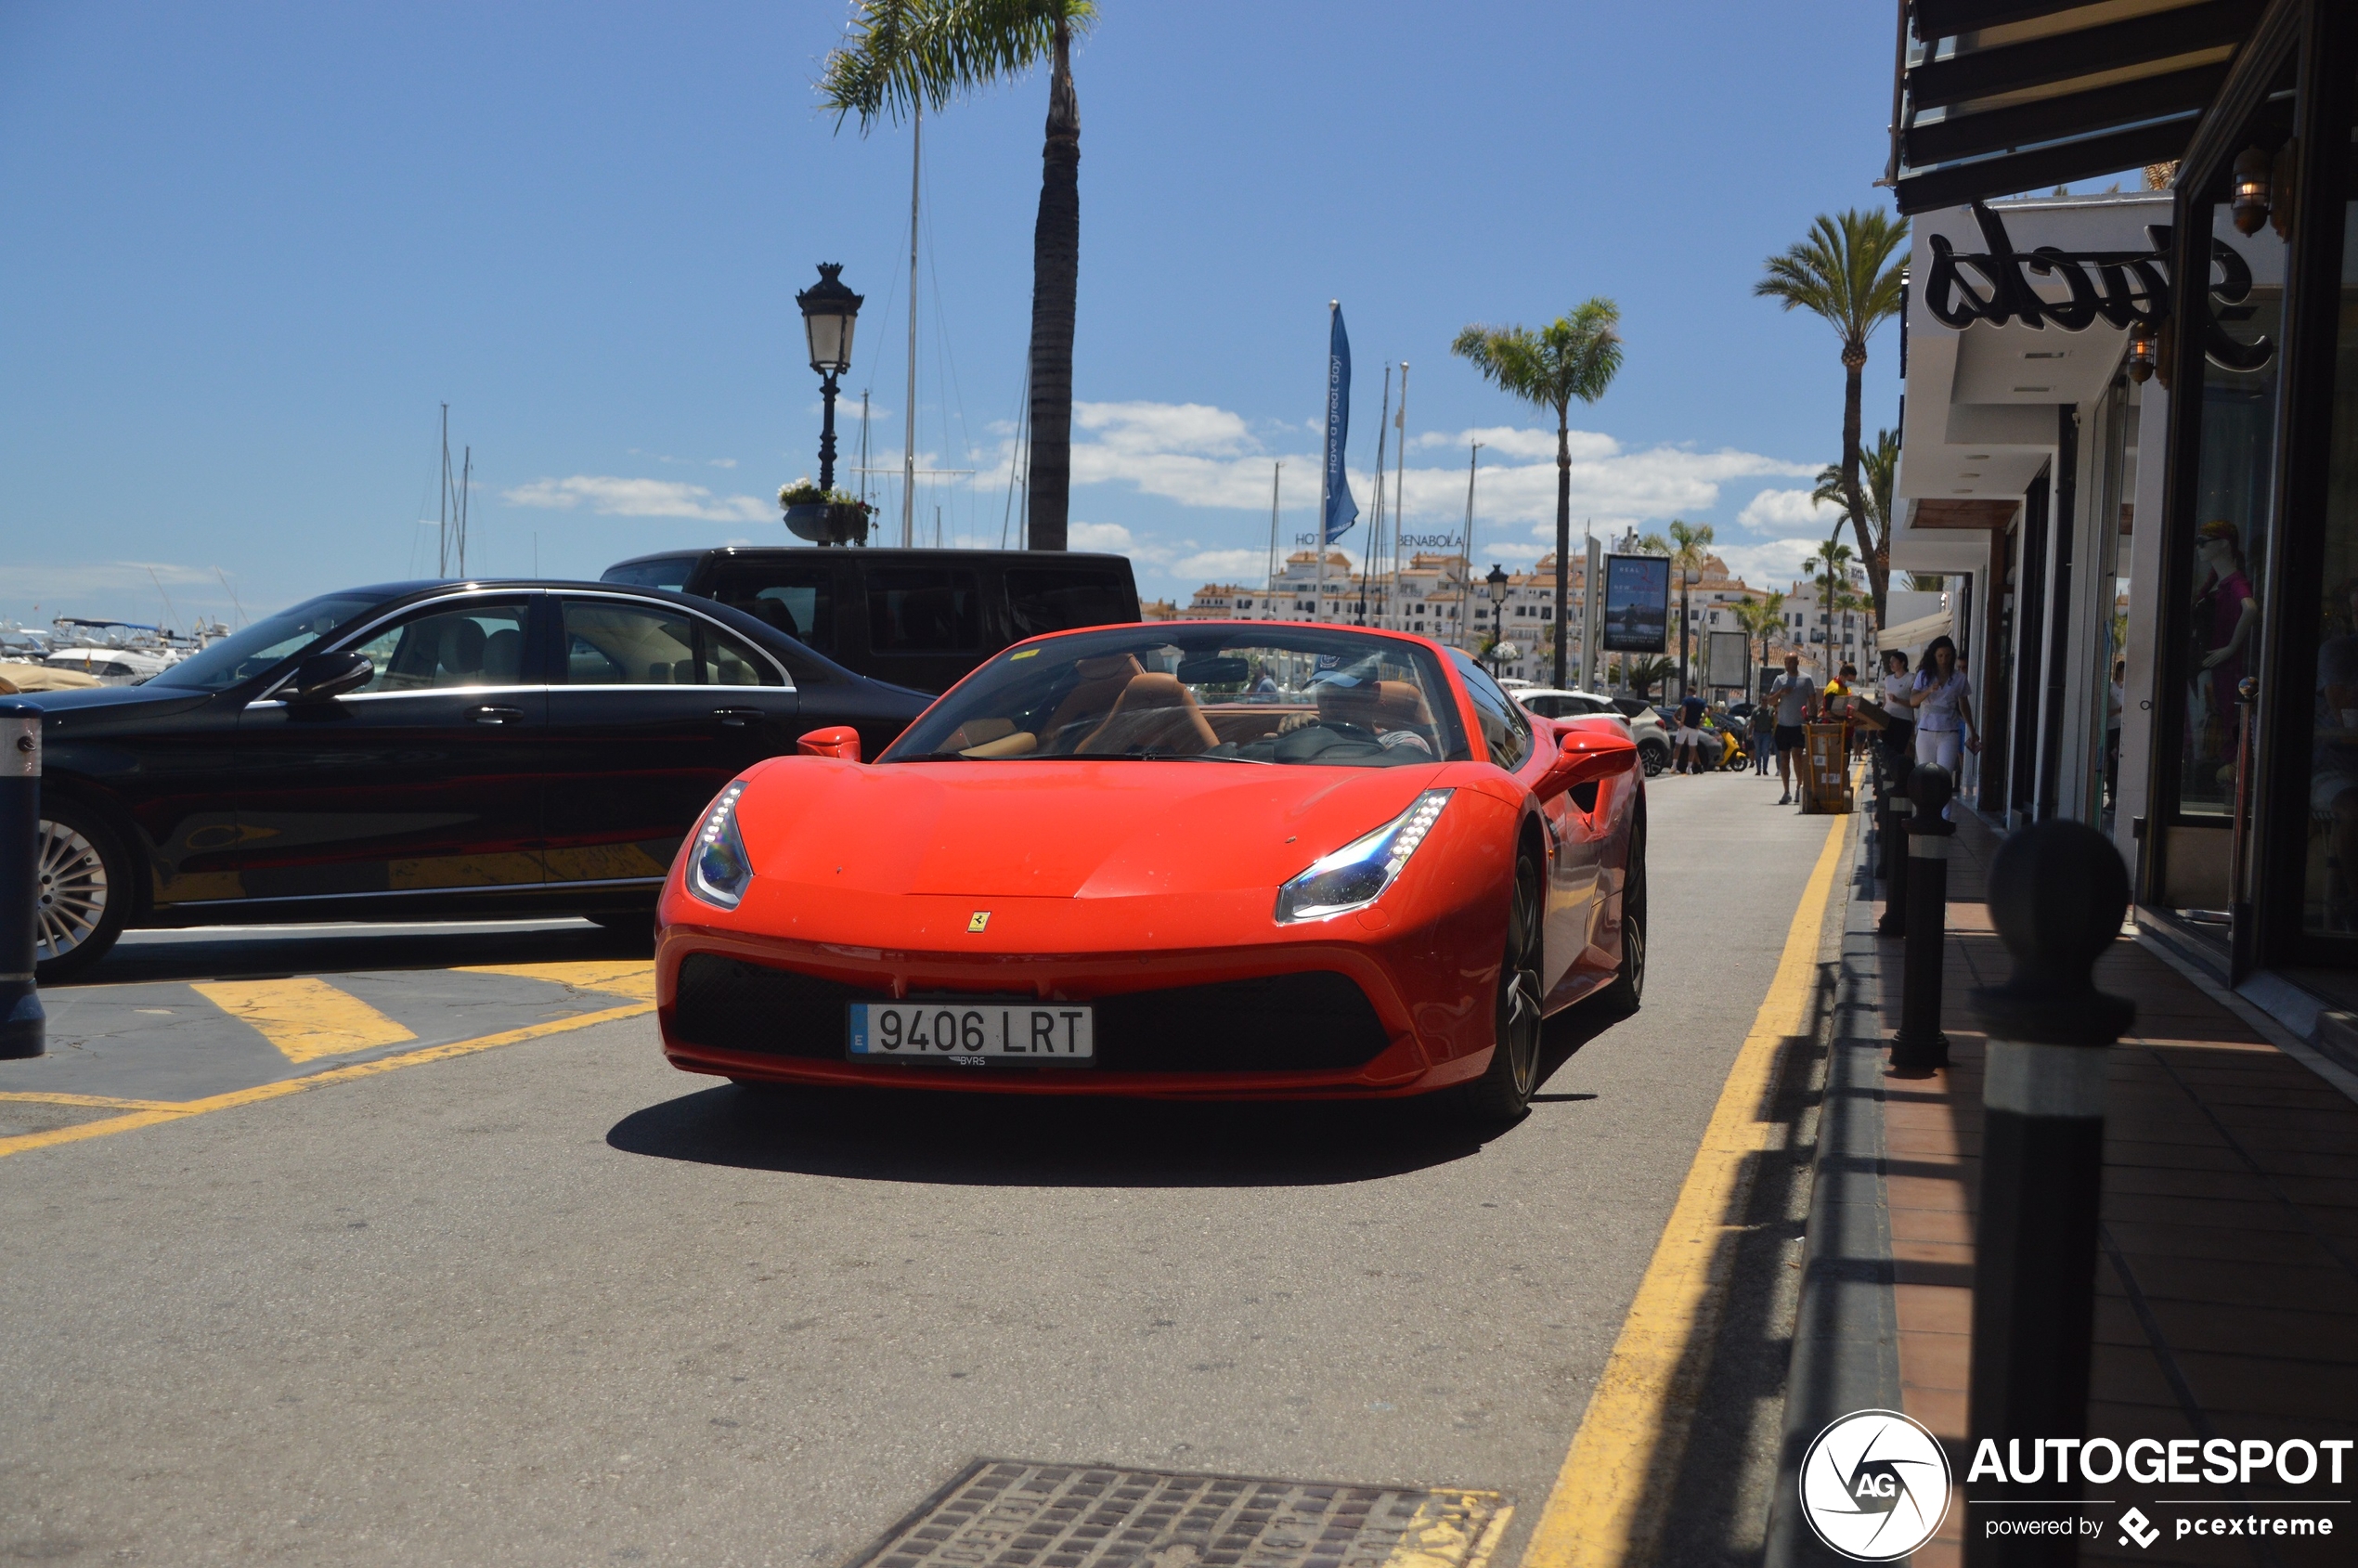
{"x":1874,"y":1486}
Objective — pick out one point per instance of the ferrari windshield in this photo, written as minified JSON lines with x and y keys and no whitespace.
{"x":1226,"y":694}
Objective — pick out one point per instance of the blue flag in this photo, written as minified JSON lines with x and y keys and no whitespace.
{"x":1341,"y":511}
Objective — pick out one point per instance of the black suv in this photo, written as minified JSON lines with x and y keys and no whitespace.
{"x":915,"y":618}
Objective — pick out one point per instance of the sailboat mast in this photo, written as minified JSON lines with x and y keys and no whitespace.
{"x":1399,"y":494}
{"x":909,"y":417}
{"x":1269,"y":585}
{"x":466,"y":485}
{"x":1375,"y":524}
{"x":1465,"y":578}
{"x":442,"y":504}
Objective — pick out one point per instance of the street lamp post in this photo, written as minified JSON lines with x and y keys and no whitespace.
{"x":1499,"y":586}
{"x":828,"y":312}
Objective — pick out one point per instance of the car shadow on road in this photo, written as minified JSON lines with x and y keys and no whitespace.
{"x":954,"y":1138}
{"x":200,"y":954}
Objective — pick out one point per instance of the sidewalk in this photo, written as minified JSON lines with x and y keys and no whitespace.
{"x":2228,"y":1288}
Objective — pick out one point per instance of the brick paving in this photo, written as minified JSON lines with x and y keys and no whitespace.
{"x":2227,"y":1298}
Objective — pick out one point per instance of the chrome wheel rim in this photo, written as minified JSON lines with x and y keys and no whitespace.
{"x":69,"y":891}
{"x":1520,"y":1006}
{"x":1633,"y":943}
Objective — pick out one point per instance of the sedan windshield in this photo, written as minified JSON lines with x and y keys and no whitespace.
{"x":1222,"y":693}
{"x":244,"y":655}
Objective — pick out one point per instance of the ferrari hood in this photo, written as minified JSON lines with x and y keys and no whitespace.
{"x":1081,"y":829}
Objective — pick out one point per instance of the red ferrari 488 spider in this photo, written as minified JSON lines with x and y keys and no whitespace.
{"x":1203,"y":859}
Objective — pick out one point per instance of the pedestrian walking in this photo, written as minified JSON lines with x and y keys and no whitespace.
{"x":1793,"y":694}
{"x":1764,"y":738}
{"x":1899,"y":734}
{"x":1942,"y":697}
{"x":1689,"y":757}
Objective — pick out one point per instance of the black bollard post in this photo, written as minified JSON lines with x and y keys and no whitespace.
{"x":2057,"y":892}
{"x":1920,"y":1047}
{"x":1891,"y":837}
{"x":22,"y":1024}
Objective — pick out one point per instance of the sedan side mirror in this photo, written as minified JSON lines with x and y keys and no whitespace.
{"x":1584,"y":754}
{"x":323,"y":677}
{"x":839,"y":741}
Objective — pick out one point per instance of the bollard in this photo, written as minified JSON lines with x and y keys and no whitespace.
{"x":2057,"y":892}
{"x":22,"y":1024}
{"x":1893,"y":809}
{"x":1920,"y":1048}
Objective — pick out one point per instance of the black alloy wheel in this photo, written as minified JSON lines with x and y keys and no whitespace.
{"x":1628,"y":988}
{"x":1503,"y":1093}
{"x":1655,"y":756}
{"x":81,"y":890}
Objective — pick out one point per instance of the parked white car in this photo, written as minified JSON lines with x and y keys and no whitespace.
{"x":1645,"y":726}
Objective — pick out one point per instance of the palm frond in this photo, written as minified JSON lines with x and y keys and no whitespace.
{"x":898,"y":54}
{"x":1842,"y":273}
{"x":1577,"y":355}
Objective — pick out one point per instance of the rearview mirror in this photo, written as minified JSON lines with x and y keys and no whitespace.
{"x":839,"y":741}
{"x":1586,"y":753}
{"x":323,"y":677}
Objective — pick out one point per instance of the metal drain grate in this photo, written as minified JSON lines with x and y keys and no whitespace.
{"x":1005,"y":1513}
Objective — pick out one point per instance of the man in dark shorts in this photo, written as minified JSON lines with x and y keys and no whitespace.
{"x":1689,"y":753}
{"x":1793,"y":694}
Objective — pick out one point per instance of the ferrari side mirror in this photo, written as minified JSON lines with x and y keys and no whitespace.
{"x":840,"y":741}
{"x":323,"y":677}
{"x":1583,"y":756}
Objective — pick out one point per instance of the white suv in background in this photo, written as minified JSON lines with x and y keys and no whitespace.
{"x":1645,"y":726}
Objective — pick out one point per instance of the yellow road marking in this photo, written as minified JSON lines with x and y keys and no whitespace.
{"x":1452,"y":1529}
{"x":619,"y":977}
{"x":103,"y":1102}
{"x":177,"y":1110}
{"x":1610,"y":1497}
{"x":305,"y":1018}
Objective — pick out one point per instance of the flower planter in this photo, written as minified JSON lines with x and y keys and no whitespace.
{"x":828,"y":523}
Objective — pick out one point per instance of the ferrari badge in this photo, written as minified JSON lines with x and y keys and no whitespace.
{"x":977,"y":921}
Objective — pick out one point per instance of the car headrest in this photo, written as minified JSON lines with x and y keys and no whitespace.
{"x":462,"y":643}
{"x":1114,"y":667}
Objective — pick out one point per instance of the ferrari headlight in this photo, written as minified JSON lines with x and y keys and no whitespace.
{"x":1356,"y":874}
{"x":719,"y":868}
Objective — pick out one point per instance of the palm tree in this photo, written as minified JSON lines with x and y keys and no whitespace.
{"x":1762,"y":617}
{"x":1642,"y":674}
{"x":1687,"y":553}
{"x":902,"y":56}
{"x":1845,"y":272}
{"x":1836,"y":557}
{"x":1573,"y":356}
{"x":1878,"y":468}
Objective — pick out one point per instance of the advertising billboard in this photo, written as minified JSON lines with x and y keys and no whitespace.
{"x":1637,"y":605}
{"x":1730,"y":659}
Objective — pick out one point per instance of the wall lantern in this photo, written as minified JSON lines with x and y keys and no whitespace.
{"x":2141,"y":354}
{"x":2253,"y":168}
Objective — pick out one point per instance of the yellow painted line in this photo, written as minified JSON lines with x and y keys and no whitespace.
{"x":178,"y":1110}
{"x":305,"y":1018}
{"x":622,"y":978}
{"x":1607,"y":1508}
{"x":102,"y":1102}
{"x":1452,"y":1529}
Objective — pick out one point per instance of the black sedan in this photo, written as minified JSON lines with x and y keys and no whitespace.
{"x":421,"y":750}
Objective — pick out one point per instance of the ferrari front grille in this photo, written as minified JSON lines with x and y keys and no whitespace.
{"x":1313,"y":1022}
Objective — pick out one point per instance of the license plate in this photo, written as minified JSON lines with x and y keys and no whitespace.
{"x":971,"y":1033}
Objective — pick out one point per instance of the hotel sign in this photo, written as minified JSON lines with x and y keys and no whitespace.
{"x":2123,"y":287}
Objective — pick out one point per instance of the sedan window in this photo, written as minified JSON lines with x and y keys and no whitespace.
{"x":474,"y":643}
{"x":260,"y":647}
{"x":609,"y":643}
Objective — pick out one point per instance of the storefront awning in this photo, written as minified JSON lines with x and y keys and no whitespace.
{"x":2012,"y":96}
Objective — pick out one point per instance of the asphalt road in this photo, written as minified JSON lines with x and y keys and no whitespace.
{"x":556,"y":1302}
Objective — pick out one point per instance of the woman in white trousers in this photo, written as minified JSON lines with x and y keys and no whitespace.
{"x":1942,"y":696}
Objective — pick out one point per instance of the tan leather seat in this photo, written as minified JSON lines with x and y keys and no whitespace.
{"x":1153,"y":713}
{"x":1400,"y":706}
{"x":1085,"y":707}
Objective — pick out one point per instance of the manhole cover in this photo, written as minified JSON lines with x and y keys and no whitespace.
{"x":1005,"y":1513}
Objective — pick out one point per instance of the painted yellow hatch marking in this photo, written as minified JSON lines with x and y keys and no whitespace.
{"x":977,"y":921}
{"x":618,"y":977}
{"x":172,"y":1112}
{"x":1610,"y":1497}
{"x":305,"y":1018}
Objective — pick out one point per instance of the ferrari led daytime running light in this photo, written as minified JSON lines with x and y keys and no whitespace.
{"x":1359,"y":873}
{"x":721,"y":869}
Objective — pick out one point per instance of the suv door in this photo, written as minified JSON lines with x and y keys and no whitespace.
{"x":427,"y":779}
{"x":653,"y":708}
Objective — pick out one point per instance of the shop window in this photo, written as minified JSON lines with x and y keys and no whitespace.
{"x":2330,"y":878}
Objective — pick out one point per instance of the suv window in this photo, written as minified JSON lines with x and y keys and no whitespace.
{"x":670,"y":571}
{"x":923,"y":610}
{"x":1043,"y":600}
{"x":477,"y":643}
{"x":798,"y":599}
{"x":1504,"y":728}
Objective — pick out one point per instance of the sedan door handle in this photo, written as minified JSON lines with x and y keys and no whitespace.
{"x":496,"y":715}
{"x":736,"y":717}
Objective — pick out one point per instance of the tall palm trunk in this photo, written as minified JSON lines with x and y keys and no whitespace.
{"x":1055,"y":281}
{"x":1877,"y":560}
{"x":1563,"y":537}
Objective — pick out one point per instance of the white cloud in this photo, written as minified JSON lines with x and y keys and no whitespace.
{"x":615,"y":497}
{"x":1196,"y":428}
{"x":1099,"y":535}
{"x":1785,"y":509}
{"x":1503,"y":440}
{"x":721,"y":462}
{"x":1226,"y":566}
{"x":1774,"y":564}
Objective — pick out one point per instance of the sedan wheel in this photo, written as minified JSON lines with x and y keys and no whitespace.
{"x":79,"y":894}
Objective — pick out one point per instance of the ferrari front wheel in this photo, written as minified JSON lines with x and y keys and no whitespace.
{"x":1503,"y":1092}
{"x":1628,"y":988}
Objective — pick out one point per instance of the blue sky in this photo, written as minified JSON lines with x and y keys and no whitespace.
{"x":254,"y":248}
